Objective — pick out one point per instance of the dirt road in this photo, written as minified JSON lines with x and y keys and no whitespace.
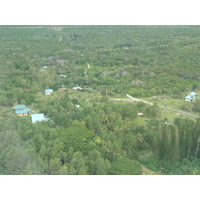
{"x":171,"y":109}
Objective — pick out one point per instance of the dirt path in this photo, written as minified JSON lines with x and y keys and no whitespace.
{"x":171,"y":109}
{"x":146,"y":171}
{"x":148,"y":154}
{"x":87,"y":70}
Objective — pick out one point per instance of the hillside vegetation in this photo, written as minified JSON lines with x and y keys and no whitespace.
{"x":101,"y":136}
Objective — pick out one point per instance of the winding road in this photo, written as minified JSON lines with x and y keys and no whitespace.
{"x":171,"y":109}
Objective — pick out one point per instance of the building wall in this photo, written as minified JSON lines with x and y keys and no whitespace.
{"x":25,"y":114}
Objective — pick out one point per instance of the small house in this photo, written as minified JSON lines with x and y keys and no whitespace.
{"x":140,"y":114}
{"x":44,"y":67}
{"x":22,"y":112}
{"x":164,"y":97}
{"x":37,"y":117}
{"x":191,"y":97}
{"x":48,"y":91}
{"x":77,"y":88}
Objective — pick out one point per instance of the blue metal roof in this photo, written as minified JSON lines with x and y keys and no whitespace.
{"x":20,"y":106}
{"x":192,"y":94}
{"x":188,"y":97}
{"x":22,"y":111}
{"x":37,"y":117}
{"x":48,"y":91}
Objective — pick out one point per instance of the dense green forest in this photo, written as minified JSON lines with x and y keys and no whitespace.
{"x":101,"y":136}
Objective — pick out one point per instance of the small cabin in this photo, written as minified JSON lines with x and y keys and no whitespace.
{"x":48,"y":91}
{"x":37,"y":117}
{"x":22,"y":112}
{"x":44,"y":67}
{"x":191,"y":97}
{"x":140,"y":114}
{"x":77,"y":88}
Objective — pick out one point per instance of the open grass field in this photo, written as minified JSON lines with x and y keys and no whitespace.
{"x":174,"y":104}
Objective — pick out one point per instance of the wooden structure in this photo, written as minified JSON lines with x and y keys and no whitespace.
{"x":21,"y":110}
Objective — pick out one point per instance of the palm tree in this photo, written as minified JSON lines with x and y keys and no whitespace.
{"x":139,"y":138}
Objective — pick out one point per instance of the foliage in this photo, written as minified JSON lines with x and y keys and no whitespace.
{"x":187,"y":167}
{"x":125,"y":166}
{"x":100,"y":137}
{"x":153,"y":111}
{"x":173,"y":143}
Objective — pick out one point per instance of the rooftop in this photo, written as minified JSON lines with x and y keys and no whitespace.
{"x":37,"y":117}
{"x":19,"y":106}
{"x":77,"y":88}
{"x":192,"y":94}
{"x":22,"y":111}
{"x":48,"y":91}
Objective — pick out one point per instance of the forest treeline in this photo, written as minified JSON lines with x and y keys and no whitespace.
{"x":100,"y":137}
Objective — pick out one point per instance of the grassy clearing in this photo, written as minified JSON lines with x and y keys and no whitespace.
{"x":171,"y":103}
{"x":141,"y":120}
{"x":171,"y":115}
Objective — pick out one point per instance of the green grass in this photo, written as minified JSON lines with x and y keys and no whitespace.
{"x":171,"y":115}
{"x":171,"y":103}
{"x":141,"y":120}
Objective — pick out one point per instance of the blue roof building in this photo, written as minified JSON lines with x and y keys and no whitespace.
{"x":20,"y":107}
{"x":191,"y":97}
{"x":44,"y":67}
{"x":48,"y":91}
{"x":22,"y":111}
{"x":37,"y":117}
